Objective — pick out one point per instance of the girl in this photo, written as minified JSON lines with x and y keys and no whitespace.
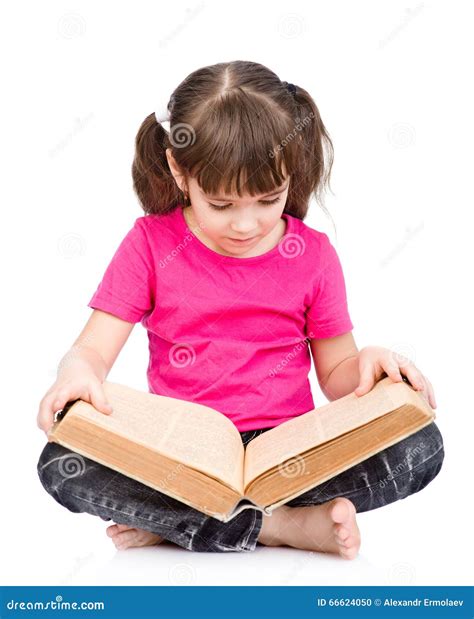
{"x":234,"y":290}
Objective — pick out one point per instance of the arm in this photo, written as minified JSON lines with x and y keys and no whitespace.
{"x":342,"y":369}
{"x":98,"y":345}
{"x":336,"y":360}
{"x":85,"y":366}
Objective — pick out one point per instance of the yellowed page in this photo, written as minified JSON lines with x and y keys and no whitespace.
{"x":196,"y":435}
{"x":282,"y":445}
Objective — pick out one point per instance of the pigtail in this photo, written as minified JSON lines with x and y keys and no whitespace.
{"x":153,"y":182}
{"x":317,"y":158}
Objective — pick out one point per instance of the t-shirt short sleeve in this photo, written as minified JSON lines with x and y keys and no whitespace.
{"x":127,"y":286}
{"x":328,"y":314}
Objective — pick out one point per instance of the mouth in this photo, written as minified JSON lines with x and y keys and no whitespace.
{"x":242,"y":241}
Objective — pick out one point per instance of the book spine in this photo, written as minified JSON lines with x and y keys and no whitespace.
{"x":249,"y":505}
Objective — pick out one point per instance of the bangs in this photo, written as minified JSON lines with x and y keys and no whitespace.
{"x":244,"y":146}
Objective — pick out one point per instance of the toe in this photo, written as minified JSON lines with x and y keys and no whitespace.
{"x":116,"y":528}
{"x":348,"y":553}
{"x":124,"y":539}
{"x":112,"y":530}
{"x":341,"y":532}
{"x":342,"y":510}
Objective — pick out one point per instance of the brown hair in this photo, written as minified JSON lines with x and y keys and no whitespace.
{"x":236,"y":128}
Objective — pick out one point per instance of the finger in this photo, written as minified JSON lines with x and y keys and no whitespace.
{"x":366,"y":381}
{"x":415,"y":377}
{"x":98,"y":399}
{"x":431,"y":395}
{"x":392,"y":369}
{"x":48,"y":406}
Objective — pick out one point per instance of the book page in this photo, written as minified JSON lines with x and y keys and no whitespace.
{"x":283,"y":445}
{"x":195,"y":435}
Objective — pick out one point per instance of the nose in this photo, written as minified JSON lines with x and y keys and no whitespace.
{"x":245,"y":226}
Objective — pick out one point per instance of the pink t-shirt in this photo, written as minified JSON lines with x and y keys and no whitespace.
{"x":226,"y":332}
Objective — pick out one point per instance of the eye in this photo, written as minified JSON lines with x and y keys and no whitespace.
{"x":220,"y":207}
{"x":274,"y":201}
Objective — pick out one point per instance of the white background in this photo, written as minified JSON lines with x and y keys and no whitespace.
{"x":393,"y":84}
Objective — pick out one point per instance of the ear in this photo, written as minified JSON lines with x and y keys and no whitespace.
{"x":175,"y":170}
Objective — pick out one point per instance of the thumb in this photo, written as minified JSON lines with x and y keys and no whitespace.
{"x":98,"y":399}
{"x":366,"y":380}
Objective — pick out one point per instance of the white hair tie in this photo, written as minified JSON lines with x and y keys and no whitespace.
{"x":162,"y":115}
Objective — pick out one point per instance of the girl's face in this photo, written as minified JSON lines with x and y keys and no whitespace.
{"x":221,"y":221}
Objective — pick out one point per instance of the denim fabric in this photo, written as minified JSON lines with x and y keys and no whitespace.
{"x":83,"y":485}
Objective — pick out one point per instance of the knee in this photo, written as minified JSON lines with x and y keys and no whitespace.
{"x":56,"y":465}
{"x":431,"y":456}
{"x":423,"y":454}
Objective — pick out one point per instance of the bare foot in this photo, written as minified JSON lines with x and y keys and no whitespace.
{"x":124,"y":536}
{"x":329,"y":527}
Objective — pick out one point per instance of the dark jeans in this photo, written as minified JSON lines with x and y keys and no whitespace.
{"x":83,"y":485}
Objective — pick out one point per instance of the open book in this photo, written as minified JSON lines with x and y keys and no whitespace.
{"x":195,"y":454}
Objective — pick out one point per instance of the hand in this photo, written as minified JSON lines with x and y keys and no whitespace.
{"x":84,"y":387}
{"x":375,"y":361}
